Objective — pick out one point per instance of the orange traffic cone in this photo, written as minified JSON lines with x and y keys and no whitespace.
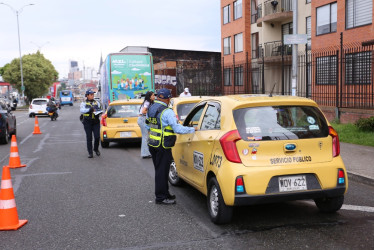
{"x":14,"y":160}
{"x":36,"y":127}
{"x":8,"y":210}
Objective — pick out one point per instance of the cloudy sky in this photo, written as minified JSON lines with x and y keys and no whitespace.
{"x":82,"y":30}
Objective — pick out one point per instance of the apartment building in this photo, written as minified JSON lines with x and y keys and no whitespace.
{"x":254,"y":54}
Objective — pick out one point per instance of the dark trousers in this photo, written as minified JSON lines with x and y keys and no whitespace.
{"x":161,"y":160}
{"x":90,"y":128}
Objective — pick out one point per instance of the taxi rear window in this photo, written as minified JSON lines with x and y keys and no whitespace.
{"x":39,"y":102}
{"x":184,"y":109}
{"x":122,"y":111}
{"x":280,"y":123}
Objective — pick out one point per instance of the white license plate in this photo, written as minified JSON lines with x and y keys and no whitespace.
{"x":292,"y":183}
{"x":125,"y":134}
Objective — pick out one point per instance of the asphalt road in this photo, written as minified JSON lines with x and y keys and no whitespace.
{"x":72,"y":202}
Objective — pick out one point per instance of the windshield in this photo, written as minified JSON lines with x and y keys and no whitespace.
{"x":280,"y":123}
{"x":122,"y":111}
{"x":39,"y":102}
{"x":184,"y":109}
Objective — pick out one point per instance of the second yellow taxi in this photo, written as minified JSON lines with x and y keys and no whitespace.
{"x":119,"y":123}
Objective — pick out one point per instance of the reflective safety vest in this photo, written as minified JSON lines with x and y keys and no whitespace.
{"x":90,"y":115}
{"x":159,"y":134}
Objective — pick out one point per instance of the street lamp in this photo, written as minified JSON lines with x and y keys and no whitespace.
{"x":39,"y":46}
{"x":17,"y":12}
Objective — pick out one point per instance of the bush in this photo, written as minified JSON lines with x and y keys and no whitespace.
{"x":365,"y":124}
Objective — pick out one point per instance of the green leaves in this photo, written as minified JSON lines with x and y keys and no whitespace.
{"x":38,"y":74}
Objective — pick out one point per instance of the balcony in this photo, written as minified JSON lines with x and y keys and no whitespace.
{"x":272,"y":52}
{"x":275,"y":11}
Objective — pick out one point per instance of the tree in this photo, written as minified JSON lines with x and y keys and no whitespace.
{"x":38,"y":74}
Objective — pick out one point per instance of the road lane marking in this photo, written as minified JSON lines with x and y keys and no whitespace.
{"x":41,"y":143}
{"x":19,"y":177}
{"x":358,"y":208}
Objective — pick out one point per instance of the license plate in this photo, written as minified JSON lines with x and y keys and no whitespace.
{"x":125,"y":134}
{"x":40,"y":111}
{"x":292,"y":183}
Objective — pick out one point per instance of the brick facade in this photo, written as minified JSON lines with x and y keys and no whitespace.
{"x":357,"y":34}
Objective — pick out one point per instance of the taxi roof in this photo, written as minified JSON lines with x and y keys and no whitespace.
{"x":189,"y":99}
{"x":127,"y":101}
{"x":263,"y":100}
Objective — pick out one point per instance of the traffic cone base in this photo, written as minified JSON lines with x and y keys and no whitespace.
{"x":8,"y":209}
{"x":14,"y":159}
{"x":36,"y":127}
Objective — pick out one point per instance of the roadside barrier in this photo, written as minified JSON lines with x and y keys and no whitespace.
{"x":36,"y":127}
{"x":8,"y":209}
{"x":14,"y":159}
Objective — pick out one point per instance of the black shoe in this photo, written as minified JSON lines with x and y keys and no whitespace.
{"x":171,"y":197}
{"x":166,"y":202}
{"x":146,"y":157}
{"x":97,"y":152}
{"x":90,"y":155}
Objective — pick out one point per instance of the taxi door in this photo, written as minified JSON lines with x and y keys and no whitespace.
{"x":182,"y":149}
{"x":202,"y":143}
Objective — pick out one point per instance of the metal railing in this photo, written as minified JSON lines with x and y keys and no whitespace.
{"x":277,"y":6}
{"x":276,"y":48}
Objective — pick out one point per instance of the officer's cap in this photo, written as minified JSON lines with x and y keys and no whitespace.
{"x":90,"y":91}
{"x":163,"y":94}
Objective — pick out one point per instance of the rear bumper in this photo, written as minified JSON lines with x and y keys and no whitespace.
{"x":245,"y":199}
{"x":37,"y":113}
{"x":129,"y":139}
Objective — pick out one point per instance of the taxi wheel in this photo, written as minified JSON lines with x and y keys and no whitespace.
{"x":173,"y":175}
{"x":329,"y":205}
{"x":219,"y":212}
{"x":104,"y":144}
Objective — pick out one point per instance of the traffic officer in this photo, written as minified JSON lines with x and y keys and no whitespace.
{"x":163,"y":125}
{"x":91,"y":110}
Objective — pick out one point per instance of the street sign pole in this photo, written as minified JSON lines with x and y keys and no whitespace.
{"x":294,"y":50}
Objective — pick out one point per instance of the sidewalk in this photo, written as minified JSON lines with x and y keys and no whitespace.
{"x":359,"y":162}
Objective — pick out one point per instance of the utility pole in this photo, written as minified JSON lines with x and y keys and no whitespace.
{"x":294,"y":48}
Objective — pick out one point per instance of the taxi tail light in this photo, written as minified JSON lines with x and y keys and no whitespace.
{"x":104,"y":134}
{"x":103,"y":120}
{"x":341,"y":177}
{"x":228,"y":144}
{"x":239,"y":185}
{"x":30,"y":106}
{"x":335,"y":142}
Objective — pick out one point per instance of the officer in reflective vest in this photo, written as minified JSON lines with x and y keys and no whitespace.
{"x":162,"y":123}
{"x":91,"y":110}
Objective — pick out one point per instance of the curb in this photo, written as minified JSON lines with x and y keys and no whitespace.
{"x":361,"y":178}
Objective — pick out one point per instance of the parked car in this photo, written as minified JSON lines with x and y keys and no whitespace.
{"x":8,"y":124}
{"x":253,"y":149}
{"x":120,"y":122}
{"x":38,"y":106}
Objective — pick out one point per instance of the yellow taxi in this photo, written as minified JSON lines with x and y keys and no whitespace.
{"x":120,"y":122}
{"x":182,"y":105}
{"x":253,"y":149}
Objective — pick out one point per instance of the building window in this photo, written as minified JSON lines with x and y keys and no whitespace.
{"x":308,"y":1}
{"x":255,"y":47}
{"x":227,"y":46}
{"x":309,"y":31}
{"x":238,"y":71}
{"x":326,"y":70}
{"x":254,"y":16}
{"x":227,"y":77}
{"x":238,"y":9}
{"x":326,"y":19}
{"x":358,"y":68}
{"x":238,"y":43}
{"x":287,"y":29}
{"x":358,"y":13}
{"x":226,"y":14}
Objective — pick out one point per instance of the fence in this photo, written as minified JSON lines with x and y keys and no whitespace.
{"x":341,"y":76}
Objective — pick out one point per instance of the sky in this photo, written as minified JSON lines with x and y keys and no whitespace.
{"x":83,"y":30}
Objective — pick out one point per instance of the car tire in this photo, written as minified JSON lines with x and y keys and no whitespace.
{"x":173,"y":175}
{"x":219,"y":212}
{"x":104,"y":144}
{"x":5,"y":138}
{"x":329,"y":204}
{"x":30,"y":115}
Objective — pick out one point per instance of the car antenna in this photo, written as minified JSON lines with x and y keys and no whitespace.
{"x":271,"y":92}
